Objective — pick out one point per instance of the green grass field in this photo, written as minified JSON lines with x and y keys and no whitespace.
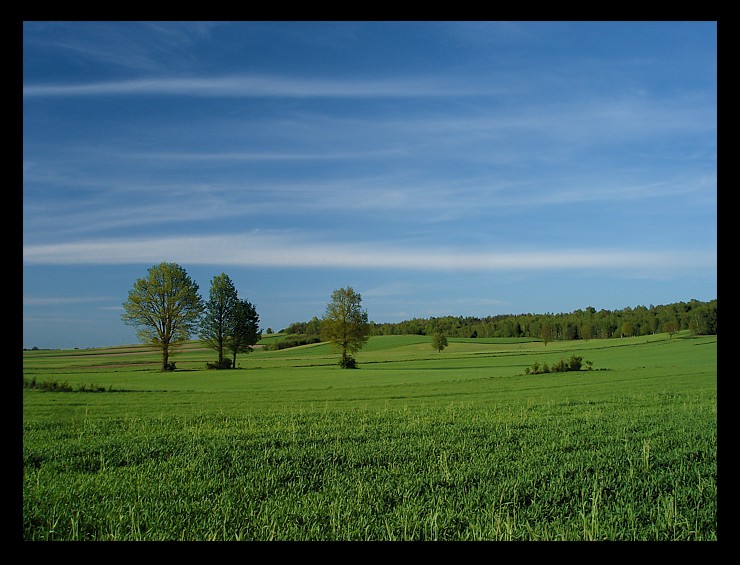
{"x":414,"y":445}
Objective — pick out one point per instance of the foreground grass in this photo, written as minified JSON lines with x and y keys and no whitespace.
{"x":414,"y":446}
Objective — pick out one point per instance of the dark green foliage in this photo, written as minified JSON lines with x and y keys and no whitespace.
{"x":229,"y":323}
{"x":218,"y":317}
{"x":573,"y":364}
{"x":225,"y":363}
{"x":53,"y":385}
{"x":312,"y":327}
{"x":49,"y":385}
{"x":348,"y":362}
{"x":292,"y":341}
{"x":699,"y":317}
{"x":244,"y":331}
{"x":93,"y":388}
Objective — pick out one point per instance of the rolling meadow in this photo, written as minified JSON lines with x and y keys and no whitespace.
{"x":415,"y":444}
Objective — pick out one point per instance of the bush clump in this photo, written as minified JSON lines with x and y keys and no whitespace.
{"x":573,"y":364}
{"x":53,"y":385}
{"x":348,"y":362}
{"x":224,"y":364}
{"x":49,"y":385}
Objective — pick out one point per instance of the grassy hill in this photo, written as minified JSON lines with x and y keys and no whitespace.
{"x":414,"y":444}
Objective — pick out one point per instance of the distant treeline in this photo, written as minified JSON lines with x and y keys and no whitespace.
{"x":293,"y":339}
{"x":698,"y":317}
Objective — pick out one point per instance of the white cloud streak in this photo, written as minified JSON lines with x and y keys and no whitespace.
{"x":257,"y":86}
{"x":260,"y":250}
{"x":61,"y":300}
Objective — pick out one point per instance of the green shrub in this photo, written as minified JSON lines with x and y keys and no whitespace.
{"x":93,"y":388}
{"x":56,"y":386}
{"x":348,"y":362}
{"x":223,"y":364}
{"x":50,"y":385}
{"x":573,"y":364}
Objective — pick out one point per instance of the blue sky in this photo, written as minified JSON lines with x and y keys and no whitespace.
{"x":438,"y":168}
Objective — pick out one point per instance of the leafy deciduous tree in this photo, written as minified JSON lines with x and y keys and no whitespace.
{"x":628,"y":329}
{"x":314,"y":326}
{"x":546,"y":332}
{"x":586,"y":332}
{"x":439,"y":341}
{"x":165,"y":307}
{"x":671,"y":327}
{"x":345,"y":324}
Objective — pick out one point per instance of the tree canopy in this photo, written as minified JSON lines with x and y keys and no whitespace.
{"x":165,"y":308}
{"x":439,"y":341}
{"x":588,"y":323}
{"x":218,"y":319}
{"x":244,"y":331}
{"x":345,"y":324}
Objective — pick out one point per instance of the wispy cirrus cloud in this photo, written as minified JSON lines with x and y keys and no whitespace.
{"x":294,"y":250}
{"x":111,"y":203}
{"x":62,"y":300}
{"x":261,"y":156}
{"x":140,"y":46}
{"x":262,"y":86}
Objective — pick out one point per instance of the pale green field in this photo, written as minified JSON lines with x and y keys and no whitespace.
{"x":415,"y":444}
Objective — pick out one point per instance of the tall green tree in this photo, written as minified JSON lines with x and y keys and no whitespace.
{"x":628,"y":330}
{"x":165,"y":307}
{"x":345,"y":324}
{"x":670,"y":327}
{"x":218,"y":319}
{"x":439,"y":341}
{"x":314,"y":326}
{"x":586,"y":332}
{"x":244,"y":333}
{"x":546,"y":331}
